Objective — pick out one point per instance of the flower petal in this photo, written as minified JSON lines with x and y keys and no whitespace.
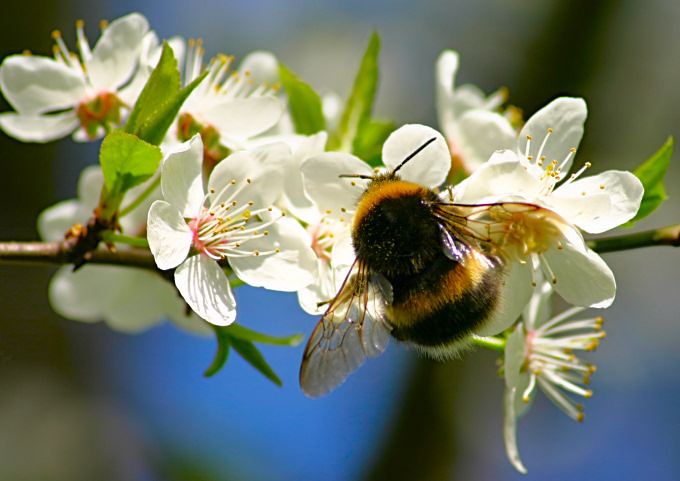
{"x":181,"y":180}
{"x":430,"y":166}
{"x":294,"y":195}
{"x":330,"y":192}
{"x":236,"y":120}
{"x":565,"y":116}
{"x":205,"y":287}
{"x":623,"y":190}
{"x":510,"y":430}
{"x":445,"y":77}
{"x":583,"y":278}
{"x":290,"y":269}
{"x":169,"y":235}
{"x":122,"y":297}
{"x":116,"y":54}
{"x":515,"y":292}
{"x":38,"y":128}
{"x":34,"y":85}
{"x":480,"y":133}
{"x":502,"y":175}
{"x":260,"y":168}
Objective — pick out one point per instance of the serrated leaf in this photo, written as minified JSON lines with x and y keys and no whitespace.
{"x":250,"y":353}
{"x":127,"y":161}
{"x":357,"y":112}
{"x":245,"y":334}
{"x":305,"y":104}
{"x":222,"y":354}
{"x":160,"y":100}
{"x":651,"y":173}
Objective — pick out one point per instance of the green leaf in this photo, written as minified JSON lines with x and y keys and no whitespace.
{"x":160,"y":100}
{"x":305,"y":104}
{"x":651,"y":173}
{"x":164,"y":82}
{"x":249,"y":352}
{"x":245,"y":334}
{"x":127,"y":161}
{"x":369,"y":142}
{"x":223,"y":343}
{"x":357,"y":113}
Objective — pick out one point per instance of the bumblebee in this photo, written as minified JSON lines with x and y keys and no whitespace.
{"x":427,"y":272}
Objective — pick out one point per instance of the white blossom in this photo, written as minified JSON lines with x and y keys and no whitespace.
{"x":128,"y":299}
{"x":84,"y":93}
{"x":191,"y":231}
{"x":541,"y":352}
{"x":470,"y":121}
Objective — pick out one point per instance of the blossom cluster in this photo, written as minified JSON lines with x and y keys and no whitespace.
{"x":244,"y":194}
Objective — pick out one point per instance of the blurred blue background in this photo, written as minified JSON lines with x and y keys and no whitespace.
{"x":83,"y":402}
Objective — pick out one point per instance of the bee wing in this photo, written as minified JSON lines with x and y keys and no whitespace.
{"x":504,"y":225}
{"x":353,"y":329}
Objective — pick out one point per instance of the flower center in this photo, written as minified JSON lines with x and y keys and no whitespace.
{"x":324,"y":235}
{"x":221,"y":230}
{"x":100,"y":112}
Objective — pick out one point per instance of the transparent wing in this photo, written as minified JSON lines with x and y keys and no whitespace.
{"x":353,"y":329}
{"x":509,"y":229}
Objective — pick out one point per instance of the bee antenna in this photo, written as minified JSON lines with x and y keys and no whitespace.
{"x":415,"y":152}
{"x":356,"y":176}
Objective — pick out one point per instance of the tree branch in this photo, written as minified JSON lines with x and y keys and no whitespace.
{"x":665,"y":236}
{"x":64,"y":252}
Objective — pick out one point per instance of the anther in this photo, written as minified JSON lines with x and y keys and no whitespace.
{"x":233,"y":182}
{"x":212,"y":191}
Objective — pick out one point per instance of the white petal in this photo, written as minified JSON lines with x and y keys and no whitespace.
{"x":565,"y":116}
{"x":294,"y":195}
{"x":258,"y":174}
{"x":34,"y":85}
{"x":205,"y":287}
{"x":330,"y":192}
{"x":38,"y":128}
{"x":244,"y":118}
{"x":116,"y":54}
{"x":502,"y":175}
{"x":515,"y":292}
{"x":290,"y":269}
{"x":122,"y":297}
{"x":57,"y":219}
{"x":445,"y":76}
{"x":623,"y":190}
{"x":181,"y":180}
{"x":480,"y":133}
{"x":583,"y":278}
{"x":510,"y":430}
{"x":430,"y":166}
{"x":261,"y":67}
{"x":169,"y":236}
